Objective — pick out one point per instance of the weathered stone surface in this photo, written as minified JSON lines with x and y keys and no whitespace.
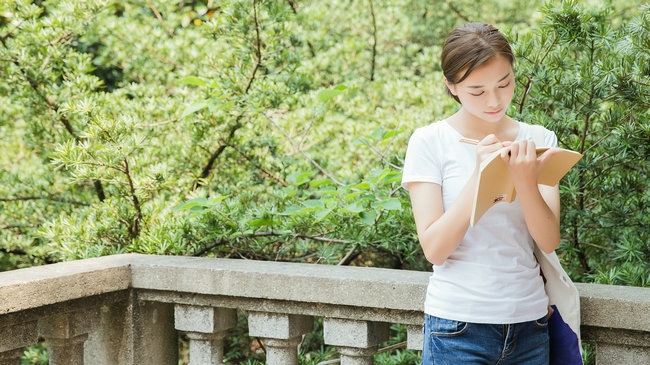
{"x":206,"y":348}
{"x":33,"y":287}
{"x":352,"y":333}
{"x":18,"y":336}
{"x":141,"y":329}
{"x":11,"y":357}
{"x":414,"y":337}
{"x":608,"y":354}
{"x":203,"y":319}
{"x":133,"y":332}
{"x":282,"y":352}
{"x":69,"y":325}
{"x":278,"y":325}
{"x":341,"y":285}
{"x":613,"y":306}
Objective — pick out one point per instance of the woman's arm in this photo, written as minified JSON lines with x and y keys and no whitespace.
{"x":440,"y":232}
{"x":540,"y":204}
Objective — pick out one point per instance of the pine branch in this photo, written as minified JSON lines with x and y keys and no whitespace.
{"x":135,"y":226}
{"x":61,"y":200}
{"x":207,"y":169}
{"x":457,"y":11}
{"x":259,"y":167}
{"x":51,"y":104}
{"x":160,"y":19}
{"x":319,"y":167}
{"x":374,"y":41}
{"x":19,"y":226}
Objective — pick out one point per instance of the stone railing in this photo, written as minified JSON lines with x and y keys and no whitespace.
{"x":130,"y":309}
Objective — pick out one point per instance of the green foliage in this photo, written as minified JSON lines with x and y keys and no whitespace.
{"x":275,"y":130}
{"x":589,"y":83}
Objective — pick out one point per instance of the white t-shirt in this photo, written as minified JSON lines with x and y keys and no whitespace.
{"x":492,"y":276}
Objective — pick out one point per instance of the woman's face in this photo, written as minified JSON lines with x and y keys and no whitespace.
{"x":487,"y":92}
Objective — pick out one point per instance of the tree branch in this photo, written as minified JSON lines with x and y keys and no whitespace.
{"x":349,"y":257}
{"x":457,"y":11}
{"x":160,"y":19}
{"x":205,"y":172}
{"x":374,"y":41}
{"x":51,"y":103}
{"x":19,"y":226}
{"x":301,"y":151}
{"x":261,"y":168}
{"x":135,"y":226}
{"x":23,"y":198}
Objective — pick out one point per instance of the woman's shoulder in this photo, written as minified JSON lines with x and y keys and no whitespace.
{"x":530,"y":130}
{"x":436,"y":129}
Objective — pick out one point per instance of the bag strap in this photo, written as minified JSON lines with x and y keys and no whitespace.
{"x":538,"y":134}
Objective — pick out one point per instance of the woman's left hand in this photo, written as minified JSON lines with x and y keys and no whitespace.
{"x":523,"y":163}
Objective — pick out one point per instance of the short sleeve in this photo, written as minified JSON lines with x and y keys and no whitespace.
{"x":550,"y":139}
{"x":421,"y":163}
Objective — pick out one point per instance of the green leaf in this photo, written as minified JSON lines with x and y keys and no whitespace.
{"x":321,"y":214}
{"x":326,"y":95}
{"x":213,"y":106}
{"x":368,"y":217}
{"x":353,"y":195}
{"x":361,"y":186}
{"x":193,"y":81}
{"x":191,"y":203}
{"x":217,"y":199}
{"x":291,"y":210}
{"x":360,"y":141}
{"x":377,"y":133}
{"x":392,"y":177}
{"x":321,"y":182}
{"x":299,"y":178}
{"x":388,"y":204}
{"x":313,"y":203}
{"x":194,"y":108}
{"x":354,"y":207}
{"x":262,"y":222}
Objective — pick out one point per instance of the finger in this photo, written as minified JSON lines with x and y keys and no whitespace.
{"x":544,"y":157}
{"x":514,"y":150}
{"x":531,"y":153}
{"x":488,"y":140}
{"x":505,"y":154}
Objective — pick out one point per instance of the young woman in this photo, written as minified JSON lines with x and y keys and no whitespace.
{"x":485,"y":301}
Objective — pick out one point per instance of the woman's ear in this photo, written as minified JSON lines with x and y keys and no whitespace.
{"x":450,"y":87}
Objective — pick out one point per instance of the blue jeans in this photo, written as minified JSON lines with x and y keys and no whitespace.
{"x":453,"y":342}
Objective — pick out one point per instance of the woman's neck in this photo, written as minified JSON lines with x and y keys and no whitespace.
{"x":470,"y":126}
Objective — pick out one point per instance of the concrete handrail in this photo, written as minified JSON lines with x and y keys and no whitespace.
{"x":617,"y":318}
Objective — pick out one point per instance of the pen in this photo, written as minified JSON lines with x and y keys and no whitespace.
{"x":468,"y":140}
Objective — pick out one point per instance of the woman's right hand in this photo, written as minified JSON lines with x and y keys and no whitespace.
{"x":487,"y":146}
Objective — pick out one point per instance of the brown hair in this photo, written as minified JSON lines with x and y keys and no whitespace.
{"x":469,"y":46}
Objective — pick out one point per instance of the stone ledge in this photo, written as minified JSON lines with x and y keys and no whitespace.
{"x":309,"y":287}
{"x":372,"y":287}
{"x":40,"y":286}
{"x":613,"y":306}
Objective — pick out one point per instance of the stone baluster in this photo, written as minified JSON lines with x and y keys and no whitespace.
{"x":281,"y":334}
{"x":616,"y":346}
{"x":414,"y":337}
{"x":206,"y":328}
{"x":356,"y":341}
{"x":13,"y":339}
{"x":66,"y":333}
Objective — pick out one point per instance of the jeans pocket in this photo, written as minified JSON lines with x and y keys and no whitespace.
{"x":542,"y":322}
{"x":447,"y":328}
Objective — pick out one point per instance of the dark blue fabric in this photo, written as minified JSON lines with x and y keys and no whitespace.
{"x":449,"y":342}
{"x":565,"y":348}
